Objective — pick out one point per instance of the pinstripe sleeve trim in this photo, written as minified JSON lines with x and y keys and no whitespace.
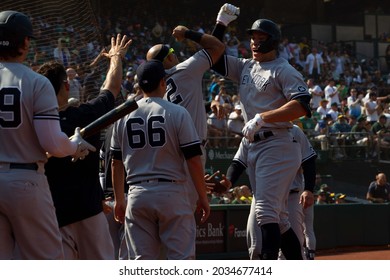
{"x":197,"y":142}
{"x":46,"y":117}
{"x":300,"y":95}
{"x":208,"y":57}
{"x":240,"y":162}
{"x":309,"y":157}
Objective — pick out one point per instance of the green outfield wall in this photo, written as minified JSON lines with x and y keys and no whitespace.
{"x":223,"y":235}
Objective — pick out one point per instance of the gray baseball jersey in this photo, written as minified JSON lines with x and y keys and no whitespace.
{"x":150,"y":140}
{"x":32,"y":225}
{"x":23,"y":98}
{"x":265,"y":86}
{"x":153,"y":141}
{"x":184,"y":87}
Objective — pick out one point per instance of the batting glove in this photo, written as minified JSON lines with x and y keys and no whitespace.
{"x":252,"y":126}
{"x":227,"y":14}
{"x":83,"y":147}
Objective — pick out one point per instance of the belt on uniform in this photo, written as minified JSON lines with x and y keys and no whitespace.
{"x":152,"y":181}
{"x":262,"y":135}
{"x":28,"y":166}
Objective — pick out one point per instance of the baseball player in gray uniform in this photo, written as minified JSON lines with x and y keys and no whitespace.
{"x":301,"y":191}
{"x":29,"y":127}
{"x":272,"y":94}
{"x":184,"y":80}
{"x":153,"y":143}
{"x":300,"y":197}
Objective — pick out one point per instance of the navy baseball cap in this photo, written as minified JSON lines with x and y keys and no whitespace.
{"x":14,"y":24}
{"x":149,"y":74}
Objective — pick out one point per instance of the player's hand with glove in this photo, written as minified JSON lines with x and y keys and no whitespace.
{"x":83,"y":147}
{"x":252,"y":126}
{"x":227,"y":14}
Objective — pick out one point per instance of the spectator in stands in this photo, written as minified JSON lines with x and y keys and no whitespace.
{"x":381,"y":136}
{"x":314,"y":63}
{"x":294,"y":48}
{"x":334,"y":111}
{"x":128,"y":83}
{"x":246,"y":194}
{"x":75,"y":88}
{"x":341,"y":125}
{"x":355,"y":103}
{"x":316,"y":94}
{"x":213,"y":83}
{"x":235,"y":125}
{"x":296,"y":65}
{"x":332,"y":93}
{"x":61,"y":52}
{"x":339,"y":136}
{"x":379,"y":190}
{"x":223,"y":97}
{"x":236,"y":191}
{"x":322,"y":131}
{"x":308,"y":124}
{"x":214,"y":87}
{"x":323,"y":108}
{"x":321,"y":197}
{"x":342,"y":88}
{"x":340,"y":198}
{"x":232,"y":46}
{"x":217,"y":127}
{"x":361,"y":136}
{"x":372,"y":108}
{"x":329,"y":195}
{"x":284,"y":51}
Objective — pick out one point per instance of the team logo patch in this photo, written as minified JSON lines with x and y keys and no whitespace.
{"x":301,"y":89}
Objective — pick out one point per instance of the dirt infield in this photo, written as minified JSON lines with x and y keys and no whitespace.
{"x":355,"y":253}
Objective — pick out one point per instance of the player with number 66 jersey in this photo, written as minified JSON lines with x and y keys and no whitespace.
{"x":154,"y":144}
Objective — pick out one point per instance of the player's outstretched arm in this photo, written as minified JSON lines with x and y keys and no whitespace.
{"x":227,"y":13}
{"x":214,"y":47}
{"x":56,"y":143}
{"x":119,"y":47}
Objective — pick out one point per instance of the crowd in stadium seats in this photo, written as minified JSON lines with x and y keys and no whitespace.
{"x":350,"y":104}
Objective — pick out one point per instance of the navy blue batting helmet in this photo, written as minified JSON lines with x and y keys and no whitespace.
{"x":14,"y":26}
{"x":271,"y":29}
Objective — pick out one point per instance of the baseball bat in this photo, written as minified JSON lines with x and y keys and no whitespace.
{"x":110,"y":117}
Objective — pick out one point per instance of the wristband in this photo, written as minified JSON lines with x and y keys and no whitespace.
{"x":219,"y":31}
{"x":259,"y":120}
{"x":193,"y":35}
